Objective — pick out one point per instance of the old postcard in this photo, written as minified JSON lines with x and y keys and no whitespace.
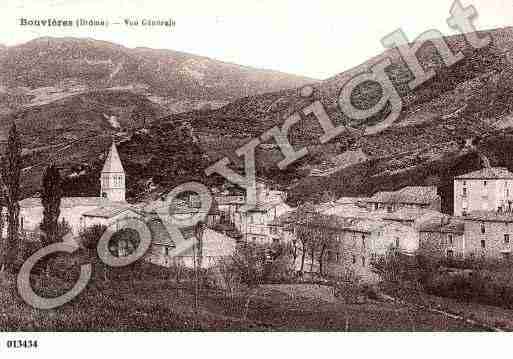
{"x":254,"y":166}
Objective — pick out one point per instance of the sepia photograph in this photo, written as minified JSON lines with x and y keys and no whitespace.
{"x":327,"y":167}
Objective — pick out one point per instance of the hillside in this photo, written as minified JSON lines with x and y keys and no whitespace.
{"x":63,"y":65}
{"x":471,"y":99}
{"x":70,"y":97}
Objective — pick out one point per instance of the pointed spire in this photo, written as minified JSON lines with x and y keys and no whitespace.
{"x":113,"y":162}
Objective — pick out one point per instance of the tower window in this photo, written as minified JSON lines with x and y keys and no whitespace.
{"x":506,"y":239}
{"x":483,"y":243}
{"x":483,"y":229}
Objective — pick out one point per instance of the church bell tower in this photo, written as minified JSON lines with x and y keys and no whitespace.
{"x":113,"y":177}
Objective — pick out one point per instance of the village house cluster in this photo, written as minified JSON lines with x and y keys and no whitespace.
{"x":408,"y":220}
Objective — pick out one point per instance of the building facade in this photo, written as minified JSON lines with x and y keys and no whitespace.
{"x":445,"y":239}
{"x":488,"y":235}
{"x":74,"y":210}
{"x":410,"y":197}
{"x":488,"y":189}
{"x":112,"y":178}
{"x":361,"y":242}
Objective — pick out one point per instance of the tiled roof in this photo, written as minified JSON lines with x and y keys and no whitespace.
{"x":107,"y":211}
{"x":412,"y":214}
{"x":113,"y":162}
{"x":265,"y":206}
{"x":454,"y":226}
{"x":488,"y":173}
{"x":365,"y":225}
{"x":348,"y":200}
{"x":177,"y":207}
{"x":491,"y":216}
{"x":409,"y":194}
{"x":69,"y":202}
{"x":349,"y":211}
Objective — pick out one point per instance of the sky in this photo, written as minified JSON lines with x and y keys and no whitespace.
{"x":317,"y":39}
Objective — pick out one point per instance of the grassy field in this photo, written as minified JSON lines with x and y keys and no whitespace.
{"x":161,"y":305}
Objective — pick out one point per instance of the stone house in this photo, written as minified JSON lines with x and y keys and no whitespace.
{"x":443,"y":239}
{"x":412,"y":197}
{"x":259,"y":222}
{"x":163,"y":249}
{"x":488,"y":235}
{"x":487,"y":189}
{"x":360,"y":242}
{"x":357,"y":242}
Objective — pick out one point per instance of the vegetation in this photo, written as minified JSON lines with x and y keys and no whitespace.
{"x":51,"y":200}
{"x":11,"y":172}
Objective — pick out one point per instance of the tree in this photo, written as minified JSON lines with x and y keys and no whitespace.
{"x":11,"y":172}
{"x":302,"y":229}
{"x":51,"y":195}
{"x":142,"y":114}
{"x":249,"y":263}
{"x":176,"y":156}
{"x":89,"y":238}
{"x":326,"y":238}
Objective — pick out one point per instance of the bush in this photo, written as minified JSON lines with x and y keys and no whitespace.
{"x":480,"y":286}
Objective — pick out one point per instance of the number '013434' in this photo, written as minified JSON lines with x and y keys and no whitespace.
{"x":22,"y":344}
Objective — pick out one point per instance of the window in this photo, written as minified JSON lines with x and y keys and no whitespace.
{"x":483,"y":243}
{"x":450,"y":239}
{"x":506,"y":239}
{"x":450,"y":253}
{"x":506,"y":256}
{"x":483,"y":229}
{"x":484,"y":183}
{"x":354,"y":259}
{"x":472,"y":256}
{"x":363,"y":261}
{"x":464,"y":192}
{"x":397,"y":242}
{"x":363,"y":241}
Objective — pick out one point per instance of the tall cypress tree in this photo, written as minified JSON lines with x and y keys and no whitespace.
{"x":51,"y":195}
{"x":11,"y":172}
